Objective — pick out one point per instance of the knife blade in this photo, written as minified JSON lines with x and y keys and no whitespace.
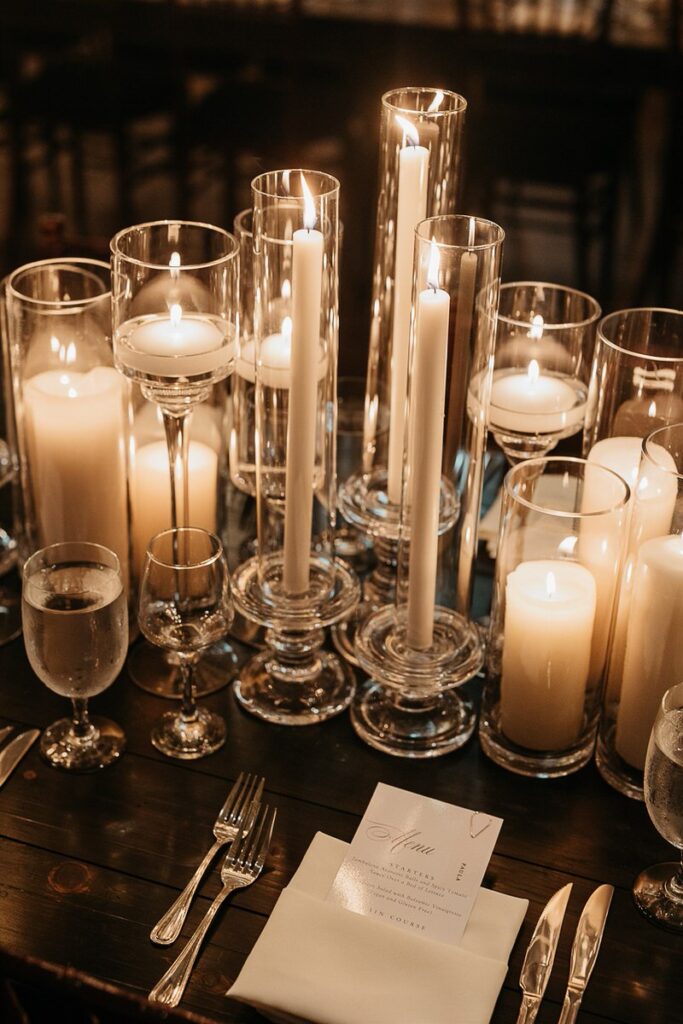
{"x":540,"y":956}
{"x":585,"y":950}
{"x":5,"y":731}
{"x":14,"y":751}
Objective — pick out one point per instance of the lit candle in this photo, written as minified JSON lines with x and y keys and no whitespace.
{"x":275,"y":367}
{"x":307,"y":268}
{"x":533,"y":403}
{"x":653,"y":660}
{"x":176,"y":345}
{"x":549,"y":613}
{"x":413,"y":175}
{"x":75,"y":431}
{"x":428,"y":387}
{"x":151,"y":493}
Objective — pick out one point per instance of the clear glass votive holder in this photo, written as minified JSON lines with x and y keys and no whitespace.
{"x":544,"y":350}
{"x":647,"y":655}
{"x":560,"y":551}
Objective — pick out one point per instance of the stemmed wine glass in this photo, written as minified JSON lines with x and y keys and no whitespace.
{"x":185,"y":607}
{"x":175,"y":313}
{"x":75,"y":621}
{"x":658,"y":891}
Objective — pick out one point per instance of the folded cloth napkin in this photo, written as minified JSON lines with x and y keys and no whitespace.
{"x":316,"y":961}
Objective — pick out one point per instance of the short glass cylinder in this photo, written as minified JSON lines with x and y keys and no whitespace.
{"x":560,"y":550}
{"x":636,"y":381}
{"x":70,"y":406}
{"x":646,"y":654}
{"x":544,"y":350}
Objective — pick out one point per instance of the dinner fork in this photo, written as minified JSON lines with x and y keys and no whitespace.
{"x":229,"y":824}
{"x":242,"y":866}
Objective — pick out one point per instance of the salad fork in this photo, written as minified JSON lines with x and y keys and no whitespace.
{"x":228,"y":826}
{"x":242,"y":866}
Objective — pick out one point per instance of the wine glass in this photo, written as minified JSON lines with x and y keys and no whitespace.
{"x":75,"y":620}
{"x":185,"y":607}
{"x":658,"y":891}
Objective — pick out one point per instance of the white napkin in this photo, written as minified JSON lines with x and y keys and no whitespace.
{"x":315,"y":961}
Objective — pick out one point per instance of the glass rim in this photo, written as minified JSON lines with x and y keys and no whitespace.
{"x":665,"y":705}
{"x":421,"y":90}
{"x":191,"y":530}
{"x":562,"y":513}
{"x":238,"y":221}
{"x":69,"y":262}
{"x":256,"y":184}
{"x":634,"y":352}
{"x":652,"y":439}
{"x":452,"y":218}
{"x":564,"y":289}
{"x":116,"y":251}
{"x":41,"y":553}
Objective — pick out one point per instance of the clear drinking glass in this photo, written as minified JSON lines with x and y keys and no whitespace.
{"x":75,"y":620}
{"x":185,"y":607}
{"x":658,"y":891}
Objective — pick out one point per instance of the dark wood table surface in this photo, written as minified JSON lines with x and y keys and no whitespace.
{"x":88,"y":863}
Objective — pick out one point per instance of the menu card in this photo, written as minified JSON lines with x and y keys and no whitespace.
{"x":416,"y":863}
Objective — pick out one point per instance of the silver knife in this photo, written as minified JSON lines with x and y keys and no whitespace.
{"x":585,"y":950}
{"x":540,"y":956}
{"x":5,"y":731}
{"x":14,"y":751}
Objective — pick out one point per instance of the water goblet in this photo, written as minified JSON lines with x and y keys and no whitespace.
{"x":185,"y":607}
{"x":658,"y":891}
{"x":75,"y":621}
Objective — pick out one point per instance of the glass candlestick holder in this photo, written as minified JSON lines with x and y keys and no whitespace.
{"x":418,"y":651}
{"x":560,"y":550}
{"x":544,"y":350}
{"x":295,"y":586}
{"x":646,"y":653}
{"x":419,"y":176}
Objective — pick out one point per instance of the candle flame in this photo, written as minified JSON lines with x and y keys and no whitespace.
{"x":309,"y":206}
{"x":72,"y":393}
{"x":286,"y":289}
{"x":176,"y":314}
{"x":70,"y":356}
{"x":550,"y":584}
{"x":652,"y":409}
{"x":54,"y":344}
{"x":536,"y":329}
{"x":410,"y":133}
{"x":174,"y":260}
{"x":533,"y":371}
{"x":436,"y":102}
{"x":286,"y":329}
{"x":434,"y":263}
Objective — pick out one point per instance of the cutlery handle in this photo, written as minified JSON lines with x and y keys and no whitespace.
{"x":169,"y":989}
{"x":570,"y":1007}
{"x":168,"y":928}
{"x":528,"y":1010}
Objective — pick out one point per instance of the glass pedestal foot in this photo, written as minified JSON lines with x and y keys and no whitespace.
{"x":411,"y":727}
{"x":658,"y":896}
{"x":99,"y":747}
{"x":189,"y":738}
{"x":154,"y":671}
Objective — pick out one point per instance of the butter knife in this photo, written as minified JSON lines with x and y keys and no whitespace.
{"x":540,"y":956}
{"x":585,"y":950}
{"x":5,"y":731}
{"x":14,"y":751}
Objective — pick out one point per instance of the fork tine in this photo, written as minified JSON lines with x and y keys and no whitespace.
{"x":232,"y":795}
{"x":252,"y":795}
{"x":267,"y":835}
{"x":239,"y":844}
{"x":259,"y":839}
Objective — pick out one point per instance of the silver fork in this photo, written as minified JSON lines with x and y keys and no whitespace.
{"x":242,"y":866}
{"x":229,"y":824}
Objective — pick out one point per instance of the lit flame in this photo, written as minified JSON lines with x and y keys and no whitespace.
{"x":286,"y":289}
{"x":174,"y":264}
{"x":434,"y":263}
{"x":533,"y":372}
{"x":436,"y":102}
{"x":550,"y":584}
{"x":70,"y":356}
{"x":536,"y":329}
{"x":652,"y":409}
{"x":176,"y":314}
{"x":309,"y":206}
{"x":54,"y":344}
{"x":72,"y":393}
{"x":286,"y":329}
{"x":410,"y":134}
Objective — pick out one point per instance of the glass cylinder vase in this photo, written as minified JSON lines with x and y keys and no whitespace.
{"x":646,"y":654}
{"x":294,"y":585}
{"x":560,"y":549}
{"x":422,"y":646}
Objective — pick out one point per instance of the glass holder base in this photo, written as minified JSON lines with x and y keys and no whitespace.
{"x":100,"y":748}
{"x":615,"y":771}
{"x":189,"y":739}
{"x":652,"y":896}
{"x":530,"y":763}
{"x":437,"y":726}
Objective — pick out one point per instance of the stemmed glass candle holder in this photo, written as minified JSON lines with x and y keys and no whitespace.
{"x":560,"y":551}
{"x":69,"y":406}
{"x":175,"y":306}
{"x":646,"y":654}
{"x":544,"y":351}
{"x":419,"y":176}
{"x":294,"y":585}
{"x":416,"y":650}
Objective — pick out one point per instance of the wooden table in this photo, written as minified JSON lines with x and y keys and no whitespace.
{"x":89,"y":863}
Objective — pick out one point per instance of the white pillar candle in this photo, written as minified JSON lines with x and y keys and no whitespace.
{"x":549,"y":613}
{"x":533,"y":403}
{"x":307,"y":267}
{"x":413,"y":173}
{"x":76,"y":437}
{"x":428,"y":388}
{"x":654,"y":653}
{"x":177,"y":345}
{"x":151,"y":493}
